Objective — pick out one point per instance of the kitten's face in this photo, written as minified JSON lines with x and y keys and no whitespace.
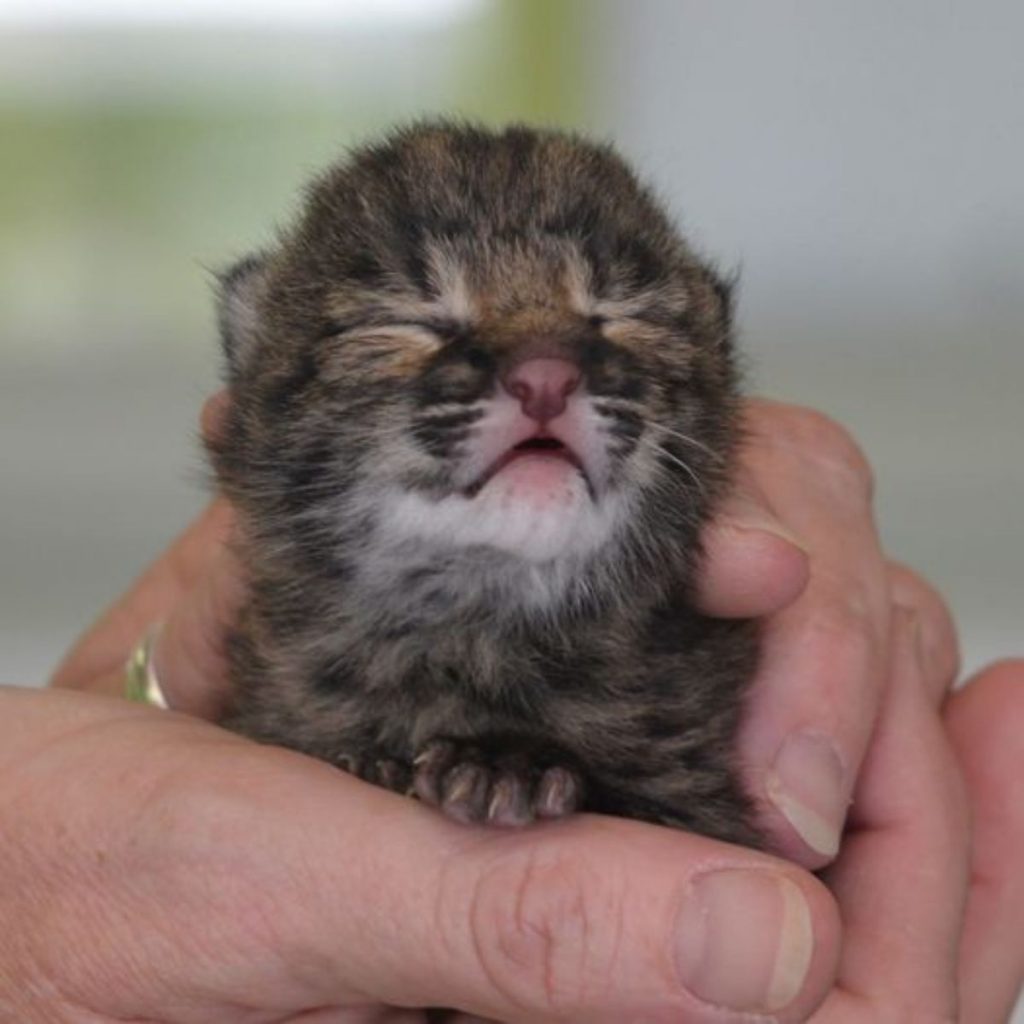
{"x":516,"y":410}
{"x":514,"y":387}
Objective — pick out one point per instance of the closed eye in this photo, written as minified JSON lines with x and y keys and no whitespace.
{"x":446,"y":330}
{"x":418,"y":334}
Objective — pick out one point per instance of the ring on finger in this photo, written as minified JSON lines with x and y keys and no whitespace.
{"x":141,"y":683}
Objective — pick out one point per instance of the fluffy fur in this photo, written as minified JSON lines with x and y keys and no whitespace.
{"x":419,"y":621}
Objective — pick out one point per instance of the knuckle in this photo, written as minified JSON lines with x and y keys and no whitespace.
{"x":827,"y":442}
{"x":910,"y":589}
{"x":546,"y":930}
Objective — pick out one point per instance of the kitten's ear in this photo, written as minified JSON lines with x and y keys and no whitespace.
{"x":241,"y":291}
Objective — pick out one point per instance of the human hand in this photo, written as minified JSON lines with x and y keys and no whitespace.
{"x":903,"y":879}
{"x":796,"y":544}
{"x":899,"y":881}
{"x":159,"y":868}
{"x":740,"y":551}
{"x":570,"y":921}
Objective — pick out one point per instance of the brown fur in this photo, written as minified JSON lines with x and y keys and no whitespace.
{"x":362,"y":350}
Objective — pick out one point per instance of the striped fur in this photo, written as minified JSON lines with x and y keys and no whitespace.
{"x":392,"y":605}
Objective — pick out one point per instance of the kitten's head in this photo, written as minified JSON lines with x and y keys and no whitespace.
{"x":477,"y":348}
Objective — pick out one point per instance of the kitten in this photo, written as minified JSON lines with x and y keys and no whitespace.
{"x":483,"y":400}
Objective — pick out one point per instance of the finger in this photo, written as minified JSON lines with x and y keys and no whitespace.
{"x":591,"y":920}
{"x":102,"y":650}
{"x":132,"y":787}
{"x":939,"y":644}
{"x":985,"y":720}
{"x":752,"y":566}
{"x":293,"y":885}
{"x":190,"y":654}
{"x":604,"y":922}
{"x":815,"y":698}
{"x":902,"y":876}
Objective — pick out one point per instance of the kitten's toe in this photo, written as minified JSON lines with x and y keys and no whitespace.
{"x":464,"y":792}
{"x":429,"y":769}
{"x":503,"y":786}
{"x":559,"y":792}
{"x":347,"y":763}
{"x":509,"y":802}
{"x":391,"y":774}
{"x":380,"y":770}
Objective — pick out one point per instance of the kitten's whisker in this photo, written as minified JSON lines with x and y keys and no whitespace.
{"x":665,"y":488}
{"x":699,"y":445}
{"x":681,"y":464}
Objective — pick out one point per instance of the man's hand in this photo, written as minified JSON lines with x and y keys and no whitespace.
{"x":159,"y":868}
{"x":796,"y":545}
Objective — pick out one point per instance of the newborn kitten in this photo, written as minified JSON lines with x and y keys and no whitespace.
{"x":482,"y":402}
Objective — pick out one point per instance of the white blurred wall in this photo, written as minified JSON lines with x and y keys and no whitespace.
{"x":863,"y":165}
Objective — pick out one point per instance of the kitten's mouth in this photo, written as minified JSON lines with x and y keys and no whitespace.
{"x":539,"y":447}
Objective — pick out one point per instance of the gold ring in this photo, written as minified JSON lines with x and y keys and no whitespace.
{"x":140,"y":682}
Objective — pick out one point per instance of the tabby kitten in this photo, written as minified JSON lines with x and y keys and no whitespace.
{"x":482,"y":402}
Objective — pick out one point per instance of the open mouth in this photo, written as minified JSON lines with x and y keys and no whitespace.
{"x":532,"y":447}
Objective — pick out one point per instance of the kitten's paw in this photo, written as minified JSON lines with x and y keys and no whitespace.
{"x":380,"y":770}
{"x":500,"y":789}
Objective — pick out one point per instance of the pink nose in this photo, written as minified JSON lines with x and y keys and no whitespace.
{"x":542,"y":386}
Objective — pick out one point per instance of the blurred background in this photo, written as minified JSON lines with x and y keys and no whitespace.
{"x":861,"y":163}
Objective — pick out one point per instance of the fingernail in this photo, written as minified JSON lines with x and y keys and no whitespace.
{"x":806,"y":785}
{"x":744,"y":940}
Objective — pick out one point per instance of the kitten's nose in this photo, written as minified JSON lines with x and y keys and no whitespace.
{"x":542,"y":386}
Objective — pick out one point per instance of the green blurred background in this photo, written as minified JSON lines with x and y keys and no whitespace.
{"x":134,"y":155}
{"x":862,"y":163}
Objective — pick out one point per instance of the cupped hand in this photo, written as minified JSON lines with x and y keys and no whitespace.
{"x":933,"y":909}
{"x":796,"y":545}
{"x":159,"y":868}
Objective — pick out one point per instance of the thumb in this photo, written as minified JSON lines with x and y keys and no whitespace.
{"x":752,"y":565}
{"x":590,"y":920}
